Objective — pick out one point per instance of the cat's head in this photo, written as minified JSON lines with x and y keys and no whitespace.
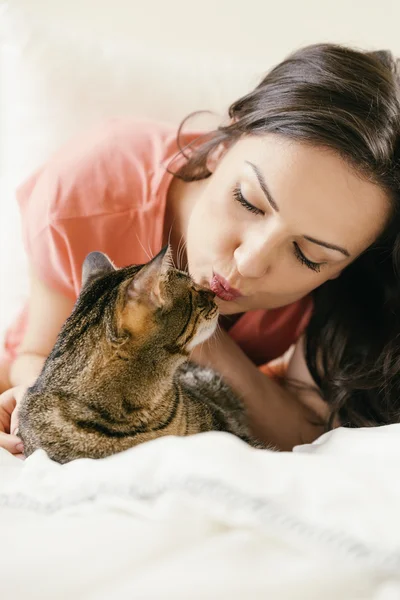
{"x":150,"y":304}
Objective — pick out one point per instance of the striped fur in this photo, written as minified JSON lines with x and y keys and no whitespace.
{"x":119,"y":374}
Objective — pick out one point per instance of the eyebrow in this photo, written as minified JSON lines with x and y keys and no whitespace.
{"x":263,"y":185}
{"x":326,"y":245}
{"x":273,"y":204}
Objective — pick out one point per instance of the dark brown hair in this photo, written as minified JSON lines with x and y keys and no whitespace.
{"x":348,"y":101}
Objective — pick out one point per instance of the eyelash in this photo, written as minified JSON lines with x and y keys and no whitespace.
{"x":305,"y":261}
{"x":238,"y":196}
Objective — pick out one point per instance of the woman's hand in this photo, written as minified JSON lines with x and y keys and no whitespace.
{"x":9,"y":401}
{"x":277,"y":415}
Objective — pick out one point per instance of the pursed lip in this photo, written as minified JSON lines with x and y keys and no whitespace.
{"x":222,"y":289}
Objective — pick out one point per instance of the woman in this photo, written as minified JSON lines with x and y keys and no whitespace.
{"x":290,"y":210}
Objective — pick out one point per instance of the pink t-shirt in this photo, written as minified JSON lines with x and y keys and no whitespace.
{"x":107,"y":191}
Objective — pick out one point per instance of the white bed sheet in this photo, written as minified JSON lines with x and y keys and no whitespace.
{"x":206,"y":517}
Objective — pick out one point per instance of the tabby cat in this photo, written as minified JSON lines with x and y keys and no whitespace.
{"x":119,"y":374}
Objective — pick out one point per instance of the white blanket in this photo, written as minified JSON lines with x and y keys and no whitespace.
{"x":206,"y":517}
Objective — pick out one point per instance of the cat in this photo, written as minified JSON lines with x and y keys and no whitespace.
{"x":119,"y":374}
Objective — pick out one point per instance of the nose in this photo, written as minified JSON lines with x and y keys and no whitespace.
{"x":258,"y":250}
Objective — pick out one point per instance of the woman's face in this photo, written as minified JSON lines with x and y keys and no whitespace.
{"x":276,"y":219}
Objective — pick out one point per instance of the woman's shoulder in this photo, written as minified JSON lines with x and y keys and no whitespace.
{"x":100,"y":192}
{"x":109,"y":168}
{"x":116,"y":138}
{"x":116,"y":141}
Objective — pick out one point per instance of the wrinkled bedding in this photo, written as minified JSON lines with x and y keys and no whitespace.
{"x":206,"y":517}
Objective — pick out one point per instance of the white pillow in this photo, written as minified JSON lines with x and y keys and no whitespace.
{"x":56,"y":82}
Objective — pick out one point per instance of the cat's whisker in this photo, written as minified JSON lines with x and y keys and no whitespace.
{"x":201,"y":350}
{"x":190,"y":355}
{"x":184,"y":250}
{"x":172,"y":264}
{"x":215,"y":340}
{"x":150,"y":250}
{"x":217,"y":335}
{"x":178,"y":252}
{"x":143,"y":248}
{"x":181,"y":251}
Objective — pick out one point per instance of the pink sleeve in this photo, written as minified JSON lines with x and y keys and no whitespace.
{"x":44,"y":242}
{"x":92,"y":195}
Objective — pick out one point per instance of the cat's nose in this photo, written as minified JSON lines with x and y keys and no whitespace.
{"x":206,"y":297}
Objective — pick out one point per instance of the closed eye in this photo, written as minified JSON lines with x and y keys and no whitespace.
{"x":238,"y":196}
{"x":314,"y":266}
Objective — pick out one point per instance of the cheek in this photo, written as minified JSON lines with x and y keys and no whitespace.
{"x":211,"y":222}
{"x":299,"y":281}
{"x":287,"y":280}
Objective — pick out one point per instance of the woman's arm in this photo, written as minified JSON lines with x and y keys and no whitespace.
{"x":47,"y":312}
{"x":278,"y":414}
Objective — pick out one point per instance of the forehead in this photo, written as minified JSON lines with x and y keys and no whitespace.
{"x":317,"y":192}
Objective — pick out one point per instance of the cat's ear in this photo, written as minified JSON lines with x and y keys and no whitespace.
{"x":96,"y":264}
{"x":147,"y":285}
